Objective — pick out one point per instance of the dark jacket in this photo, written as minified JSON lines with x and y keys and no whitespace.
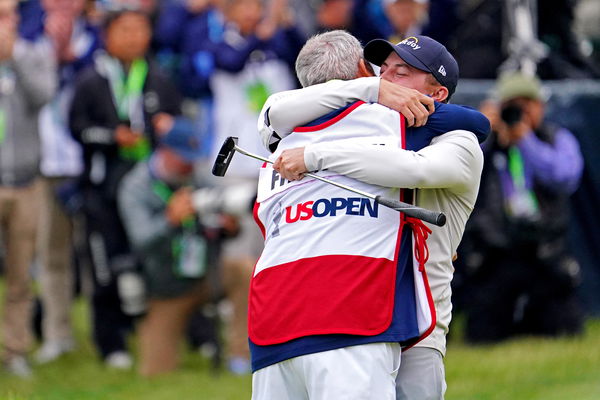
{"x":93,"y":119}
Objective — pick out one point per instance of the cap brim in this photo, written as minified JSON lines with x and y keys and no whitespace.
{"x":377,"y":50}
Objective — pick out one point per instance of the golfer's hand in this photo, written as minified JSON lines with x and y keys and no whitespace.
{"x":414,"y":105}
{"x":290,"y":164}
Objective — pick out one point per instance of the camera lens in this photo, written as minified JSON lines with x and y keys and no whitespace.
{"x":511,"y":114}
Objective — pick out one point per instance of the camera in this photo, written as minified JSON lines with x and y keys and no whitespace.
{"x":511,"y":114}
{"x":235,"y":200}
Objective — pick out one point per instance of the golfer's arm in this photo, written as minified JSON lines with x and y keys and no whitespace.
{"x":451,"y":160}
{"x":284,"y":111}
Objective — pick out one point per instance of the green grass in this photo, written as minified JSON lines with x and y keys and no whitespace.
{"x":520,"y":369}
{"x":527,"y":368}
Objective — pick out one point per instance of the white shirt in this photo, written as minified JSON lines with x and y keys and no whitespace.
{"x":234,"y":113}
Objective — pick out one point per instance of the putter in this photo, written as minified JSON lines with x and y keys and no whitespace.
{"x":230,"y":146}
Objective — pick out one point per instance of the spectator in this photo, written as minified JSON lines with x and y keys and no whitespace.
{"x":27,"y":82}
{"x":173,"y":20}
{"x":74,"y":41}
{"x":111,"y":115}
{"x":522,"y":277}
{"x":155,"y":202}
{"x":442,"y":20}
{"x":407,"y":17}
{"x":364,"y":19}
{"x":199,"y":29}
{"x":252,"y":61}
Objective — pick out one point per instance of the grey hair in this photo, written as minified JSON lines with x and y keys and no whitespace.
{"x":329,"y":55}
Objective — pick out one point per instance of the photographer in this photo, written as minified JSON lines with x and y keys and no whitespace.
{"x":520,"y":277}
{"x":156,"y":206}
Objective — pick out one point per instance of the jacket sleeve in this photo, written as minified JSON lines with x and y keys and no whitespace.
{"x":450,"y":117}
{"x":83,"y":128}
{"x":557,"y":165}
{"x":35,"y":66}
{"x":452,"y":160}
{"x":284,"y":111}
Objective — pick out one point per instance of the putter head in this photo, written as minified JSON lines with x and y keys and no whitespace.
{"x":224,"y":157}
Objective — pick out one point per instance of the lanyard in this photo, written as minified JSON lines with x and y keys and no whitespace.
{"x":188,"y":248}
{"x":525,"y":197}
{"x":2,"y":125}
{"x":127,"y":90}
{"x":515,"y":167}
{"x":126,"y":93}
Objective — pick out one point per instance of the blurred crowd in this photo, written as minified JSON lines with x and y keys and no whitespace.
{"x":112,"y":112}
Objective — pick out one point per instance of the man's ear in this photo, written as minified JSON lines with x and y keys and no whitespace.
{"x":364,"y":69}
{"x":440,"y":93}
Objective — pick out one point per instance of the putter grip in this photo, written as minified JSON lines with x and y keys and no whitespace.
{"x":433,"y":217}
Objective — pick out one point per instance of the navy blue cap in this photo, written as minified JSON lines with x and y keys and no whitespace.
{"x":421,"y":52}
{"x":183,"y":140}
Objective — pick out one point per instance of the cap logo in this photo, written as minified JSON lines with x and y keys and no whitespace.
{"x":412,"y":42}
{"x":442,"y":70}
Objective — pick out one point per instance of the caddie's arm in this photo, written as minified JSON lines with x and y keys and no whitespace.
{"x":284,"y":111}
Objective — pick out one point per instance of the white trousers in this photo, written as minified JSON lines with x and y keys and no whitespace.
{"x":421,"y":375}
{"x":363,"y":372}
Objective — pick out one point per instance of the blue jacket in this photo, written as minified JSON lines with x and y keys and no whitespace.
{"x":206,"y":47}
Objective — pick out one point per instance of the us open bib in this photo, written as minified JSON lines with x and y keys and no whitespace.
{"x":330,"y":258}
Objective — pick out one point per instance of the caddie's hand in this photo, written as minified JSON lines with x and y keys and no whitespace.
{"x":414,"y":105}
{"x":180,"y":206}
{"x":290,"y":164}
